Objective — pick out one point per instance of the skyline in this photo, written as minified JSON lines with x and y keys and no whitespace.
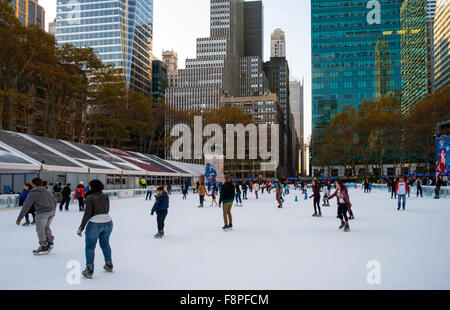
{"x":167,"y":36}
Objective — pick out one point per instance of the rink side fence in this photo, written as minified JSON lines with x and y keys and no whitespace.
{"x":12,"y":201}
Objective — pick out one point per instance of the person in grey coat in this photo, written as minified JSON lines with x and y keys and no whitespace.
{"x":45,"y":205}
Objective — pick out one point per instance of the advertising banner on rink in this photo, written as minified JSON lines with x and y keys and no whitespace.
{"x":442,"y":150}
{"x":214,"y":167}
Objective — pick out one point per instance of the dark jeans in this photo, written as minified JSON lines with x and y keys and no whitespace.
{"x":342,"y":212}
{"x":393,"y":194}
{"x":244,"y":195}
{"x":400,"y":199}
{"x":65,"y":201}
{"x":160,"y":218}
{"x":202,"y":199}
{"x":149,"y":194}
{"x":184,"y":195}
{"x":238,"y":197}
{"x":419,"y":192}
{"x":317,"y":205}
{"x":32,"y":211}
{"x":81,"y":203}
{"x":95,"y":232}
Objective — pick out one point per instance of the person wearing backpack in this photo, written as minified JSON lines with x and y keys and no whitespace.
{"x":79,"y":195}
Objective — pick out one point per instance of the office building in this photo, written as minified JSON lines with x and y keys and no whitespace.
{"x":159,"y":80}
{"x":253,"y":78}
{"x":415,"y":55}
{"x":119,"y":31}
{"x":29,"y":12}
{"x":215,"y":72}
{"x":278,"y":44}
{"x":170,"y":60}
{"x":441,"y":44}
{"x":52,"y":27}
{"x":263,"y":110}
{"x":254,"y":29}
{"x":296,"y":102}
{"x":353,"y":52}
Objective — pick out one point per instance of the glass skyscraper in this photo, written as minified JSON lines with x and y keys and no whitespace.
{"x":356,"y":54}
{"x":29,"y":12}
{"x":119,"y":31}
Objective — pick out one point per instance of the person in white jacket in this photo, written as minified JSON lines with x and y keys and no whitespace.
{"x":256,"y":189}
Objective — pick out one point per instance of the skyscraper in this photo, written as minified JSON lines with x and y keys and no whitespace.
{"x":441,"y":44}
{"x":254,"y":29}
{"x":159,"y":79}
{"x":170,"y":59}
{"x":52,"y":27}
{"x":29,"y":12}
{"x":278,"y":44}
{"x":414,"y":43}
{"x":119,"y":31}
{"x":353,"y":48}
{"x":253,"y":78}
{"x":216,"y":69}
{"x":296,"y":102}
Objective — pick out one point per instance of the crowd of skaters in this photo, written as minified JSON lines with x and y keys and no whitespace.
{"x":41,"y":202}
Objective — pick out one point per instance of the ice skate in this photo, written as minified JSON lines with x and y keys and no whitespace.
{"x":88,"y":272}
{"x":108,"y":267}
{"x":159,"y":235}
{"x":42,"y":250}
{"x":342,"y":225}
{"x":320,"y":214}
{"x":25,"y":224}
{"x":314,"y":215}
{"x":347,"y":228}
{"x":352,"y":217}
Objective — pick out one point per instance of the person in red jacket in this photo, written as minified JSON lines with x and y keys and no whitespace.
{"x":401,"y":189}
{"x":79,"y":194}
{"x":344,"y":204}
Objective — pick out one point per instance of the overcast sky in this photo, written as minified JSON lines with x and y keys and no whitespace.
{"x":177,"y":24}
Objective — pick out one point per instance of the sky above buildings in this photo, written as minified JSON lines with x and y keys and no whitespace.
{"x":177,"y":24}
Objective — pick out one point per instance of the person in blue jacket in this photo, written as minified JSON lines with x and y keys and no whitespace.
{"x":22,"y":198}
{"x":161,"y":207}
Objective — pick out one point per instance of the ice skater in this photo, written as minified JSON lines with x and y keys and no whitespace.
{"x":256,"y":189}
{"x":344,"y":205}
{"x":201,"y":191}
{"x":149,"y":191}
{"x":316,"y":195}
{"x":326,"y":194}
{"x":185,"y":191}
{"x":237,"y":190}
{"x":99,"y":226}
{"x":45,"y":204}
{"x":213,"y":199}
{"x":161,"y":207}
{"x":279,"y":191}
{"x":226,"y":202}
{"x":79,"y":194}
{"x":22,"y":198}
{"x":401,"y":190}
{"x":66,"y":192}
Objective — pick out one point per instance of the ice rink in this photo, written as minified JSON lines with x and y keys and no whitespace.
{"x":269,"y":248}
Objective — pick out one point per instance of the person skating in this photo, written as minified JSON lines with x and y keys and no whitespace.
{"x":237,"y":190}
{"x":419,"y":188}
{"x":244,"y":191}
{"x":79,"y":195}
{"x":99,"y":226}
{"x":161,"y":207}
{"x":401,"y":190}
{"x":437,"y":189}
{"x":66,"y":192}
{"x":393,"y":188}
{"x":279,"y":191}
{"x":45,"y":204}
{"x":226,"y":199}
{"x":213,"y":198}
{"x":201,"y":190}
{"x":185,"y":191}
{"x":22,"y":198}
{"x":149,"y":191}
{"x":57,"y":188}
{"x":326,"y":194}
{"x":316,"y":195}
{"x":344,"y":205}
{"x":256,"y":189}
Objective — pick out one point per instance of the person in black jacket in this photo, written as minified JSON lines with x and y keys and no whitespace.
{"x":227,"y":195}
{"x":99,"y":226}
{"x":160,"y":207}
{"x":65,"y":197}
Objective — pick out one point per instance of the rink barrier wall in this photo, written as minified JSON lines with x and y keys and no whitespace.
{"x":428,"y":191}
{"x":12,"y":201}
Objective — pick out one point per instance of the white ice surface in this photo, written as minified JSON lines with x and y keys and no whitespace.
{"x":270,"y":248}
